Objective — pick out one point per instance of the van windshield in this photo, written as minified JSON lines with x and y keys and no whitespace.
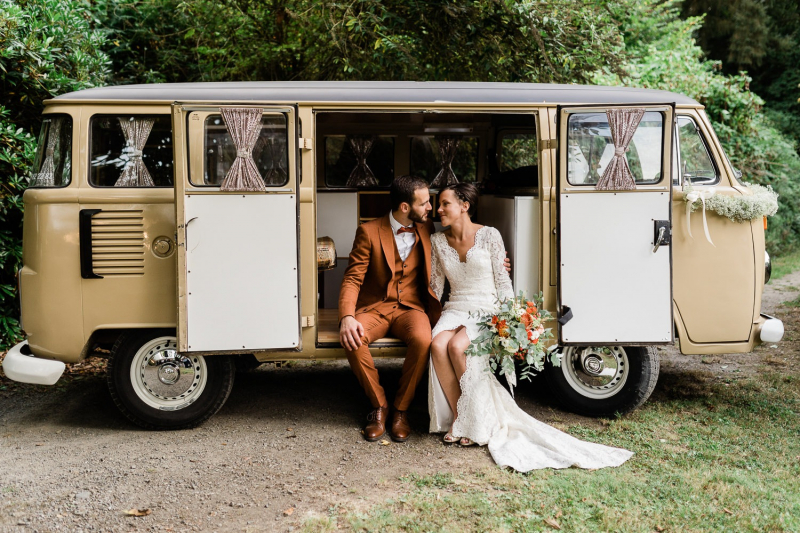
{"x":590,"y":148}
{"x":52,"y":166}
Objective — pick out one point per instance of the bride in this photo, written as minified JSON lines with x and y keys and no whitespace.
{"x":465,"y":398}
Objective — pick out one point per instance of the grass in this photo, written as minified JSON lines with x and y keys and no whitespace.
{"x":785,"y":264}
{"x":710,"y":456}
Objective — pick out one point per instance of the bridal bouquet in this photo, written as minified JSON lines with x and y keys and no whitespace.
{"x":515,"y":333}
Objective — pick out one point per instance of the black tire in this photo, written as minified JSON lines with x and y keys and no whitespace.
{"x":635,"y":381}
{"x":202,"y":385}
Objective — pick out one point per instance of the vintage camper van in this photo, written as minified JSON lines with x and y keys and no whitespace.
{"x":185,"y":226}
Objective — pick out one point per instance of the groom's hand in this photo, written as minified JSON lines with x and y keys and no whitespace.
{"x":350,"y":333}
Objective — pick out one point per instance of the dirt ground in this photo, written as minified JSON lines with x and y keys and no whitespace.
{"x":285,"y":447}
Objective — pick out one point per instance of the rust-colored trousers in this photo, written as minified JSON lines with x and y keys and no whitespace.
{"x":410,"y":326}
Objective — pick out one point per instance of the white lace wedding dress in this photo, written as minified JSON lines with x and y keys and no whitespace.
{"x":487,"y":413}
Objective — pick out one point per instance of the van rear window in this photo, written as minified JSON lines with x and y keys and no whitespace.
{"x":432,"y":155}
{"x":131,"y":151}
{"x":590,"y":148}
{"x":52,"y":166}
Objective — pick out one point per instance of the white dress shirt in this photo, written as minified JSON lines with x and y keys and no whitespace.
{"x":404,"y":241}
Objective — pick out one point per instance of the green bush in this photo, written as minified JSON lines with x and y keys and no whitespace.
{"x":47,"y":47}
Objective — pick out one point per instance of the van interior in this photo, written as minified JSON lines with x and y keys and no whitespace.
{"x":359,"y":153}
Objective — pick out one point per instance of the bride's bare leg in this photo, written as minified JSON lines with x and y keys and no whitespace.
{"x":444,"y":369}
{"x":455,"y":351}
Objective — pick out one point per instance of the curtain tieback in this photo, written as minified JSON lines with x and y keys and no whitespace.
{"x":243,"y":153}
{"x":691,"y":198}
{"x":619,"y":151}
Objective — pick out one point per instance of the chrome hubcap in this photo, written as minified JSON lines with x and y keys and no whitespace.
{"x":165,"y":379}
{"x":594,"y":373}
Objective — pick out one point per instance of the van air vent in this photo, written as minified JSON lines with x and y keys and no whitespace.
{"x":118,"y":243}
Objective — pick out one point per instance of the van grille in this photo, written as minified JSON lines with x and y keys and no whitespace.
{"x":118,"y":243}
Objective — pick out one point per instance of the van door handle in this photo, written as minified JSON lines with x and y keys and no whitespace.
{"x":85,"y":242}
{"x":662,"y":234}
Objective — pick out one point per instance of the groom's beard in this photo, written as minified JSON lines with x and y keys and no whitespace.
{"x":417,"y":218}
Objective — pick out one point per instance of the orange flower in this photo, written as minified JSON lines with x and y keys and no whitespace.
{"x":494,"y":320}
{"x":526,"y":319}
{"x":530,"y":335}
{"x":502,"y":329}
{"x":532,"y":309}
{"x":535,"y":341}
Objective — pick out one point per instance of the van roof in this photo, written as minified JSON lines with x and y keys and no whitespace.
{"x":379,"y":92}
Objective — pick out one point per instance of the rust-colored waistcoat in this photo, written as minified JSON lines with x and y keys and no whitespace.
{"x":406,"y":287}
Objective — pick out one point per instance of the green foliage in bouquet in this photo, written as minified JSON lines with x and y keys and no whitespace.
{"x":515,"y":333}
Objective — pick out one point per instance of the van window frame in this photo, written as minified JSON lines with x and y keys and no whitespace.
{"x":89,"y":179}
{"x":638,"y":183}
{"x":265,"y":111}
{"x":706,"y":147}
{"x":71,"y":151}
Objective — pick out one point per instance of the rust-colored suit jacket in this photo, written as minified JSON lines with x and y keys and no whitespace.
{"x":371,"y":268}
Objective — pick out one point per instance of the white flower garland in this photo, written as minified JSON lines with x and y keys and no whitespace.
{"x":763,"y":202}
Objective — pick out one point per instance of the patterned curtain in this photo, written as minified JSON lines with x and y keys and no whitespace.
{"x":362,"y":175}
{"x":447,"y":153}
{"x":617,"y":175}
{"x":275,"y":148}
{"x":136,"y":132}
{"x":46,"y":175}
{"x":244,"y":127}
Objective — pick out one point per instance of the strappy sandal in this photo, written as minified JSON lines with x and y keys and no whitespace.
{"x":466,"y":442}
{"x":449,"y":438}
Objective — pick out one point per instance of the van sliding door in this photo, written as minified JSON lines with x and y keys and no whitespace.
{"x":236,"y":201}
{"x":614,"y":225}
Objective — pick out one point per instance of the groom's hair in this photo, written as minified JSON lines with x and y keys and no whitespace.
{"x":402,"y":190}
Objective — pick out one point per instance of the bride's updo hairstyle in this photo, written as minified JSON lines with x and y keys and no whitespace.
{"x":465,"y":192}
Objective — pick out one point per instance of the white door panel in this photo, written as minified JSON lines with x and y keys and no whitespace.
{"x":616,"y":287}
{"x":613,"y":287}
{"x":241,"y":272}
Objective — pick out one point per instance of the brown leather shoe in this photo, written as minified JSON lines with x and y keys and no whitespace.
{"x":376,"y":424}
{"x":400,"y":429}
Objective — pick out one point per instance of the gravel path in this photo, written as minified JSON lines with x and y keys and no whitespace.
{"x":286,"y":446}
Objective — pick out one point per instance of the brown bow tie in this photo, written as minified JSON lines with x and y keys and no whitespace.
{"x":405,"y":230}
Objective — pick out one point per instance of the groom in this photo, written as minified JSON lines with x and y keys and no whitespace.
{"x":386,"y":289}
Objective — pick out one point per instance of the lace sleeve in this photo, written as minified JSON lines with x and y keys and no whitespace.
{"x":502,"y":282}
{"x":437,"y":271}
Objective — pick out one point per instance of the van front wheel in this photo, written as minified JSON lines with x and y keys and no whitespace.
{"x":158,"y":388}
{"x":604,"y":381}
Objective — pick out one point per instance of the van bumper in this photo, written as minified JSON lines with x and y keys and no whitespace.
{"x":771,"y":329}
{"x":20,"y":365}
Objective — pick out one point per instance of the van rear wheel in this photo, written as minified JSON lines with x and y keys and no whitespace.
{"x":595,"y":382}
{"x":158,"y":388}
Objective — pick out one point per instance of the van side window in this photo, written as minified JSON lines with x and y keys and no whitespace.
{"x":434,"y":154}
{"x":130,"y":151}
{"x":270,"y":153}
{"x":517,"y":160}
{"x":52,"y":166}
{"x":590,"y":148}
{"x":359,"y":160}
{"x":696,"y":165}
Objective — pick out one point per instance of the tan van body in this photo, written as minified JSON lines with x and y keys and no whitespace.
{"x":139,"y":249}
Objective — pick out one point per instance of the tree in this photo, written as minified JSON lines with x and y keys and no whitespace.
{"x":485,"y":40}
{"x":47,"y":47}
